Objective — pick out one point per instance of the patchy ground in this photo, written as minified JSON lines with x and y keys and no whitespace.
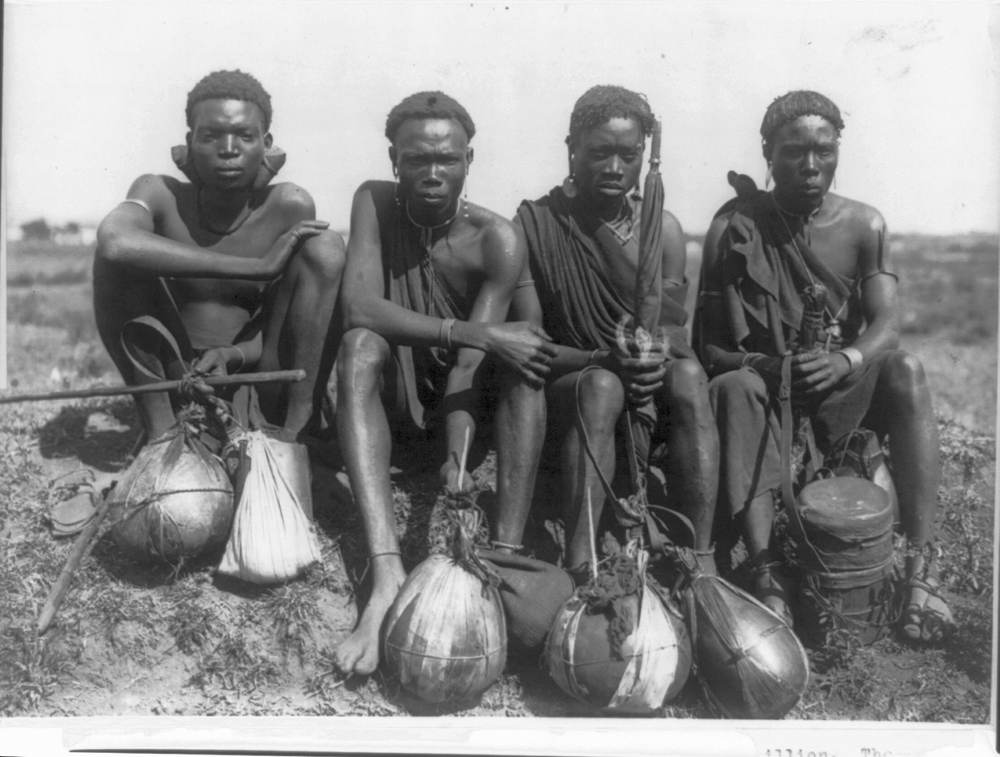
{"x":135,"y":640}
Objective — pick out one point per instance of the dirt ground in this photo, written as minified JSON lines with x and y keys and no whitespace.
{"x":153,"y":640}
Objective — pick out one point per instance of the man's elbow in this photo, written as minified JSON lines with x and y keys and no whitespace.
{"x":356,"y":313}
{"x":110,"y":245}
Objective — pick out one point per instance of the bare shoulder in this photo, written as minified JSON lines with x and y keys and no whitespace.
{"x":291,"y":200}
{"x":499,"y":234}
{"x":152,"y":187}
{"x":863,"y":220}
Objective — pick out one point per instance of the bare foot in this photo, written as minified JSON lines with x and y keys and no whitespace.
{"x":359,"y":653}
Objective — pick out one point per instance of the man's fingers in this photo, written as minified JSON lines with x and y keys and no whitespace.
{"x":548,"y":348}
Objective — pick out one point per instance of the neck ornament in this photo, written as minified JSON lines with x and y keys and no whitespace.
{"x":427,"y":232}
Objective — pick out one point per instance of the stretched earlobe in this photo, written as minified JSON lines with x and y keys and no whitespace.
{"x":274,"y":160}
{"x":767,"y":179}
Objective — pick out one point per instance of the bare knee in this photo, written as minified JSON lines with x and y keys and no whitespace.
{"x":362,"y":355}
{"x":324,"y":256}
{"x":686,"y":384}
{"x":601,"y":398}
{"x":903,"y":378}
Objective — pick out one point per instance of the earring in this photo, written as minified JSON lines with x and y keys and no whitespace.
{"x":395,"y":186}
{"x":569,"y":187}
{"x":767,"y":179}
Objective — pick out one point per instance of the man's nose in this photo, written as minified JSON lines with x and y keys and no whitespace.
{"x":615,"y":166}
{"x":228,"y":145}
{"x":810,"y":165}
{"x":434,"y":174}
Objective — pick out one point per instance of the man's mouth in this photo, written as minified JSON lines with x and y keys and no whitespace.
{"x":432,"y":198}
{"x":229,"y":170}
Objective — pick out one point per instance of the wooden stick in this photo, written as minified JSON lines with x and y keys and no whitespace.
{"x":61,"y":586}
{"x":593,"y":536}
{"x":239,"y":379}
{"x":465,"y":456}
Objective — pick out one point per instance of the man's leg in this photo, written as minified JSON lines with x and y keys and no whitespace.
{"x":602,"y":398}
{"x":693,"y":447}
{"x":363,"y":429}
{"x":905,"y":400}
{"x":520,"y":433}
{"x":300,"y":332}
{"x":120,"y":296}
{"x":749,"y":470}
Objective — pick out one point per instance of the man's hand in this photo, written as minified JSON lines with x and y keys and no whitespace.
{"x":213,"y":362}
{"x":641,"y":375}
{"x":524,"y":347}
{"x":275,"y":260}
{"x":449,"y":478}
{"x":768,"y":367}
{"x":816,"y":371}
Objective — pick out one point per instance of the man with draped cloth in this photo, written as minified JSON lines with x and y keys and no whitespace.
{"x":766,"y":255}
{"x":583,"y":252}
{"x":427,"y":285}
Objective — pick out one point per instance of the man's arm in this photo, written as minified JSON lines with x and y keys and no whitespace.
{"x":127,"y":236}
{"x":522,"y":346}
{"x":879,"y":302}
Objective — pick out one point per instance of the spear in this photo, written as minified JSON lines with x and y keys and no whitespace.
{"x":239,"y":379}
{"x":648,"y":299}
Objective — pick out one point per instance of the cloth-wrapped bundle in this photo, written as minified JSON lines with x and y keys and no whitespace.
{"x":272,"y":540}
{"x":445,"y":636}
{"x":174,"y":502}
{"x":749,"y":662}
{"x":532,"y":592}
{"x":618,"y":643}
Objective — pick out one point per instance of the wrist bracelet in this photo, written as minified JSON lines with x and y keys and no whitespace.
{"x":854,"y":357}
{"x":747,"y":358}
{"x":444,"y":335}
{"x":593,"y":355}
{"x":243,"y":358}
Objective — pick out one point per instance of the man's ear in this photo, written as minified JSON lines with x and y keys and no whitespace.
{"x":392,"y":158}
{"x":268,"y":141}
{"x":469,"y":155}
{"x":187,"y":139}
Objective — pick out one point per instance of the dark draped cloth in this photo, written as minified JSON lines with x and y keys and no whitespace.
{"x":568,"y":252}
{"x":412,"y":282}
{"x":765,"y":269}
{"x":581,"y":308}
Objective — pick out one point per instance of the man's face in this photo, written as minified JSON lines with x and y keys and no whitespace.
{"x":607,"y":160}
{"x":227,"y":142}
{"x":431,"y":157}
{"x":803,"y":161}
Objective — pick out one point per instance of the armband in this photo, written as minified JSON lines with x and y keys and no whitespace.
{"x":854,"y":357}
{"x":444,"y":335}
{"x":879,"y":273}
{"x":137,"y":201}
{"x":527,"y":283}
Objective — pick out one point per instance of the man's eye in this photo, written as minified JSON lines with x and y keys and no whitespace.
{"x":630,"y":157}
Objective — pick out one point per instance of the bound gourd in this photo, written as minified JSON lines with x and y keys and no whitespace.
{"x":618,"y":643}
{"x":750,"y":663}
{"x":445,"y":635}
{"x":272,"y":540}
{"x":174,"y":502}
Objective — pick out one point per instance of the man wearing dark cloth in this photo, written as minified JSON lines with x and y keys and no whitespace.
{"x":428,"y":283}
{"x":762,"y":251}
{"x":240,"y":273}
{"x":583,"y":252}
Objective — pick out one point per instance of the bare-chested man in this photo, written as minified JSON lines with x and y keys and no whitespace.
{"x":583,"y":253}
{"x":761,"y":252}
{"x":242,"y":276}
{"x":427,"y":286}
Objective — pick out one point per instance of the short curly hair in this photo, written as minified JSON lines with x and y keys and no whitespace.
{"x":229,"y":85}
{"x":600,"y":104}
{"x":428,"y":105}
{"x":793,"y":105}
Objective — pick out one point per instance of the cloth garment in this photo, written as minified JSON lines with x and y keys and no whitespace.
{"x":762,"y":266}
{"x":412,"y":282}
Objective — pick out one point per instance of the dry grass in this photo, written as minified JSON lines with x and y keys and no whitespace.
{"x":155,"y":641}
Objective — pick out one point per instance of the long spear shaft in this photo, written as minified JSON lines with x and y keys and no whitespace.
{"x":239,"y":379}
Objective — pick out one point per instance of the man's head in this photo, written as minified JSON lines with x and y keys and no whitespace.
{"x":429,"y":134}
{"x":607,"y":132}
{"x":229,"y":115}
{"x":801,"y":137}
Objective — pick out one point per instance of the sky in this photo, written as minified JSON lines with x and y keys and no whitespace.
{"x":94,"y":94}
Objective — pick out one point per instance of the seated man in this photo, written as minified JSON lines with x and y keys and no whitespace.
{"x":428,"y":282}
{"x":238,"y":272}
{"x":583,"y":242}
{"x":760,"y":253}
